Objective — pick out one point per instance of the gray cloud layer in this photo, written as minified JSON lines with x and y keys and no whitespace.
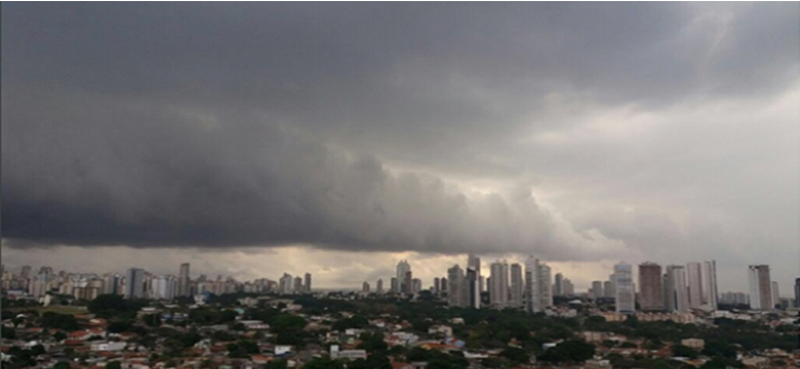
{"x":596,"y":127}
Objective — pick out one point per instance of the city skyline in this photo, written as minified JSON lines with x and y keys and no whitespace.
{"x":707,"y":267}
{"x":356,"y":135}
{"x":534,"y":293}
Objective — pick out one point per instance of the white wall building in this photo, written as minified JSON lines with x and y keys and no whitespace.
{"x":623,"y":280}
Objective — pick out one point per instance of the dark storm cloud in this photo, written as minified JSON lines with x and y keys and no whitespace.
{"x":270,"y":124}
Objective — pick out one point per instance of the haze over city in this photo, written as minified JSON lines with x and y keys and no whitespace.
{"x":339,"y":138}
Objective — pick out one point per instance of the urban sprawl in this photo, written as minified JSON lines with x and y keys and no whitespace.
{"x":517,"y":316}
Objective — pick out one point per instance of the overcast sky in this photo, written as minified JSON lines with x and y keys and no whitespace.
{"x":338,"y":138}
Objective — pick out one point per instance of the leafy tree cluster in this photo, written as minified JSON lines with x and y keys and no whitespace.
{"x":209,"y":316}
{"x":437,"y":359}
{"x":111,"y":306}
{"x":242,"y":349}
{"x":357,"y":321}
{"x":324,"y":363}
{"x":372,"y":342}
{"x":377,"y":360}
{"x":65,"y":322}
{"x":21,"y":358}
{"x":317,"y":306}
{"x":178,"y":342}
{"x":276,"y":364}
{"x":569,"y":351}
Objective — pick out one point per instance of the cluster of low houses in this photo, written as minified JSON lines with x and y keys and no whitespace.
{"x":100,"y":347}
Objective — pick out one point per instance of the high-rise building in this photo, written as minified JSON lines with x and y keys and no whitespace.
{"x":517,"y":287}
{"x":456,"y":288}
{"x":498,"y":290}
{"x":623,"y":278}
{"x":416,"y":285}
{"x":408,"y":283}
{"x":695,"y":285}
{"x":558,"y":286}
{"x":760,"y":288}
{"x":298,"y":285}
{"x":545,"y":286}
{"x":569,"y":288}
{"x":651,"y":294}
{"x":365,"y":287}
{"x":710,"y":284}
{"x":797,"y":292}
{"x":472,"y":288}
{"x":735,"y":298}
{"x":395,"y":287}
{"x":403,"y":268}
{"x":25,"y":273}
{"x":307,"y":285}
{"x":379,"y":286}
{"x":676,"y":298}
{"x":134,"y":284}
{"x":474,"y":262}
{"x":286,"y":284}
{"x":183,"y":280}
{"x":532,"y":299}
{"x":164,"y":287}
{"x":112,"y":284}
{"x":597,"y":289}
{"x":436,"y":286}
{"x":608,"y":289}
{"x":776,"y":300}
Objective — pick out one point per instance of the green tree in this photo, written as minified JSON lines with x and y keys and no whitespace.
{"x":114,"y":306}
{"x":65,"y":322}
{"x":152,"y":320}
{"x":8,"y":333}
{"x":515,"y":355}
{"x":684,"y":351}
{"x":276,"y":364}
{"x":114,"y":365}
{"x":721,"y":363}
{"x":324,"y":363}
{"x":569,"y":351}
{"x":62,"y":365}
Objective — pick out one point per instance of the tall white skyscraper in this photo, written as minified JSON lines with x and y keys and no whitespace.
{"x":456,"y":288}
{"x":307,"y":285}
{"x":473,"y":281}
{"x":286,"y":284}
{"x":695,"y":283}
{"x":532,"y":285}
{"x":498,"y":289}
{"x":545,"y":288}
{"x":710,"y":294}
{"x":676,"y":296}
{"x":623,"y":278}
{"x":760,"y":288}
{"x":134,"y":284}
{"x":379,"y":286}
{"x":517,"y":287}
{"x":164,"y":287}
{"x":402,"y":269}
